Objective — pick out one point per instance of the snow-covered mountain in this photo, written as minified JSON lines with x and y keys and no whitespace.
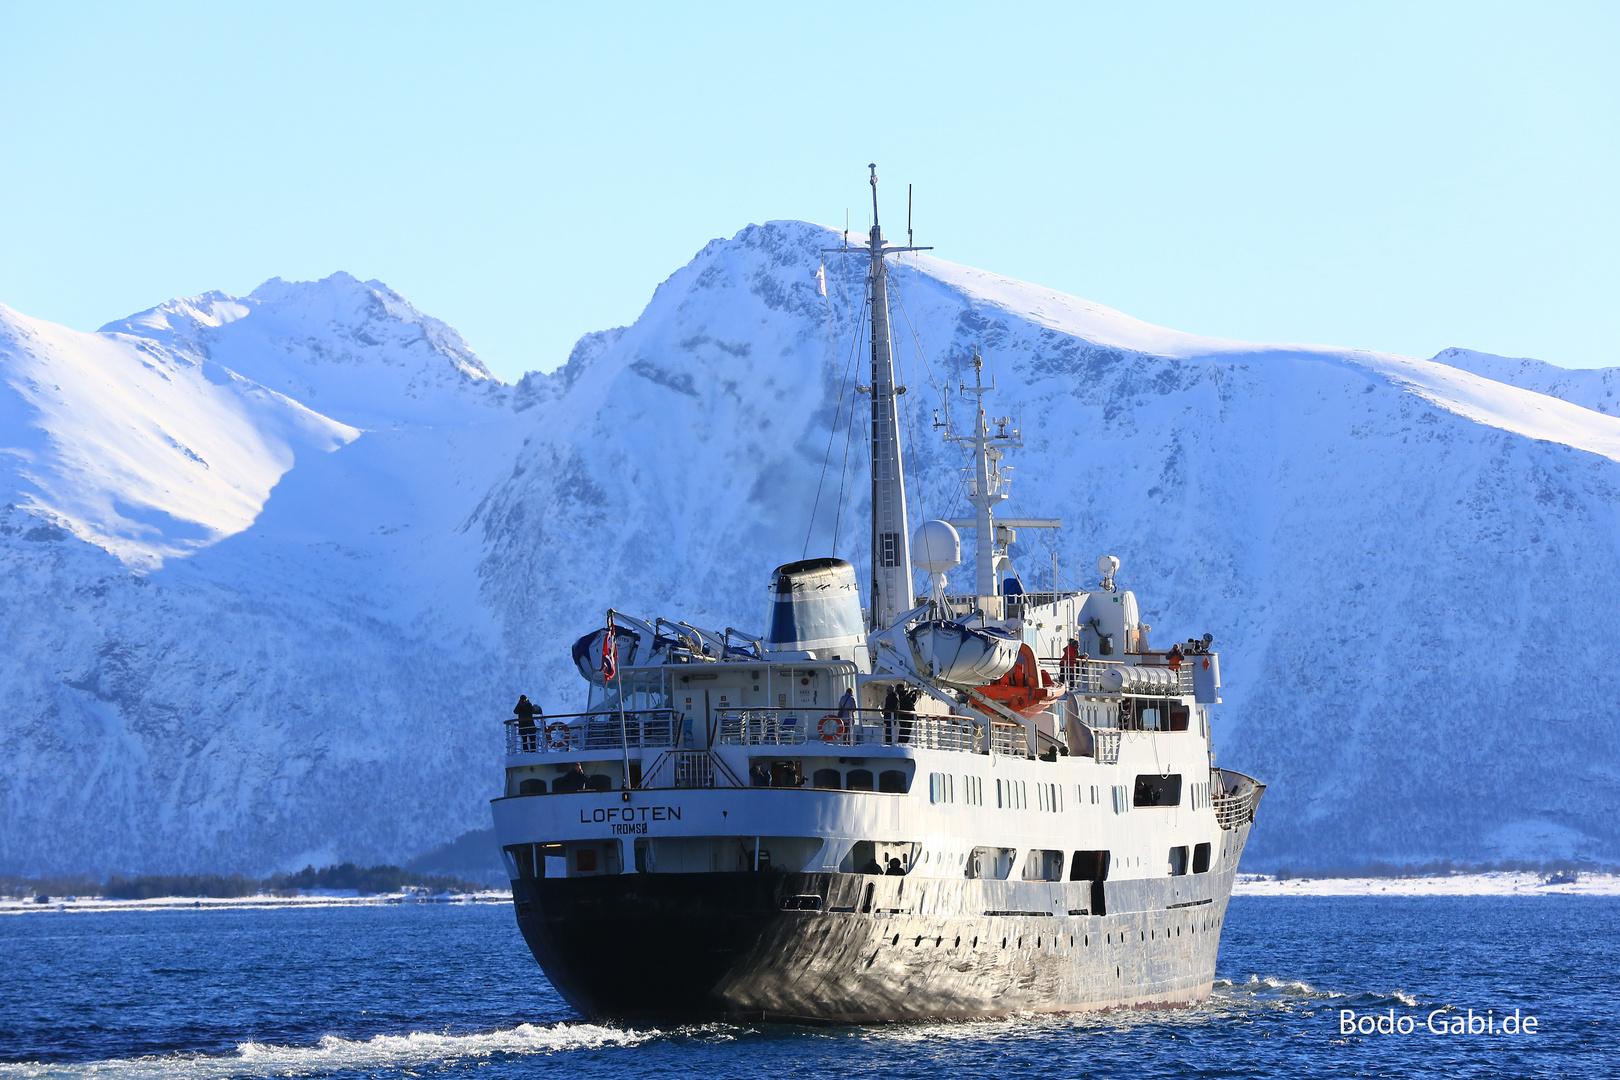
{"x":273,"y":567}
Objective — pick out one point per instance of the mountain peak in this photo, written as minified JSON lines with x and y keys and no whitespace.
{"x":354,"y":350}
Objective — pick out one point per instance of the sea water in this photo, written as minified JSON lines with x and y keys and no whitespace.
{"x":422,"y":990}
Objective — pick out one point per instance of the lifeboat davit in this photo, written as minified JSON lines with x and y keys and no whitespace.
{"x":963,"y":655}
{"x":1026,"y":689}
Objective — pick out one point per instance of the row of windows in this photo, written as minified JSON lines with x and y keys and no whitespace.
{"x":1014,"y":794}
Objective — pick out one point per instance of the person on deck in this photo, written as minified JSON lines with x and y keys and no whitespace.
{"x":572,"y":780}
{"x":891,"y":707}
{"x":1071,"y":660}
{"x":895,"y":869}
{"x":526,"y":711}
{"x":846,"y":704}
{"x":906,"y":713}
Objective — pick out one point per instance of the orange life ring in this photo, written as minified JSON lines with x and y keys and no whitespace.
{"x":557,"y":735}
{"x":840,"y":728}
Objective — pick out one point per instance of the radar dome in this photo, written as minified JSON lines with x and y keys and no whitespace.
{"x":936,"y":547}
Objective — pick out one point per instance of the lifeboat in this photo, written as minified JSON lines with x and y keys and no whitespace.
{"x":1026,"y":689}
{"x":963,"y":655}
{"x":588,"y":651}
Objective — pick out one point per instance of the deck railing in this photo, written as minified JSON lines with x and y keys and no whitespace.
{"x":848,"y":727}
{"x":1234,"y":807}
{"x":1085,"y":676}
{"x":572,"y":732}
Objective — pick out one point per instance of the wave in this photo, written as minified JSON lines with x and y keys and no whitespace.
{"x":1270,"y":989}
{"x":333,"y":1053}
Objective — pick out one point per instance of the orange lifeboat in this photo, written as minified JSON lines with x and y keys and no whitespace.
{"x":1026,"y":689}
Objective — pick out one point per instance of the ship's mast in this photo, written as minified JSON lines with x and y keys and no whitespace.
{"x":891,"y":594}
{"x":987,"y":489}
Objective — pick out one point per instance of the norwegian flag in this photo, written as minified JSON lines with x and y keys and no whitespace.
{"x":610,"y":653}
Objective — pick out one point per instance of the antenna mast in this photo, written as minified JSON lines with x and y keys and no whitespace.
{"x":891,"y":594}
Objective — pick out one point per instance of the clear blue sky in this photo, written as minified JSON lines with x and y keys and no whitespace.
{"x":1397,"y":177}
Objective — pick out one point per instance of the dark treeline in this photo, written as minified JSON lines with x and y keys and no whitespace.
{"x":1445,"y":868}
{"x":367,"y":880}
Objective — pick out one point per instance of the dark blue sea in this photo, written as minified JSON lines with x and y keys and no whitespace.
{"x":449,"y":990}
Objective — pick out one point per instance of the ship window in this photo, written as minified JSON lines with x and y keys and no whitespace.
{"x":1152,"y":790}
{"x":1089,"y":866}
{"x":826,"y":778}
{"x":859,"y":780}
{"x":941,"y":788}
{"x":522,"y":860}
{"x":892,"y":781}
{"x":1178,"y":860}
{"x":1178,"y":717}
{"x":585,"y":860}
{"x":973,"y":790}
{"x":990,"y":862}
{"x":600,"y":782}
{"x":1043,"y":866}
{"x":532,"y":786}
{"x":1201,"y":859}
{"x":1122,"y":799}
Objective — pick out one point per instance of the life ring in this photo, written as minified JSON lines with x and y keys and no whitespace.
{"x":840,"y":728}
{"x":557,"y":735}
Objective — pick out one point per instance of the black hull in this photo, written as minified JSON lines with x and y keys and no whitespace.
{"x":811,"y":947}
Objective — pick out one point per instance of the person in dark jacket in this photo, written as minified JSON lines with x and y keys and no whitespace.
{"x":895,"y":869}
{"x":572,"y":780}
{"x":526,"y":711}
{"x":907,"y":712}
{"x":891,"y":706}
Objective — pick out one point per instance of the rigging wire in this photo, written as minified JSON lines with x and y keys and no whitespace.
{"x":832,"y":431}
{"x":849,"y":432}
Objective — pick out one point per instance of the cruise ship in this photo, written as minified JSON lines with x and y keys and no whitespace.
{"x":893,"y":805}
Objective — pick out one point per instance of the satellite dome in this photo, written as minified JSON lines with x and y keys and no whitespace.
{"x":936,"y":547}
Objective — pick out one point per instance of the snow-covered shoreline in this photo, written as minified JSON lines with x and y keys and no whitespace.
{"x":1497,"y":884}
{"x":14,"y":906}
{"x":1494,"y":884}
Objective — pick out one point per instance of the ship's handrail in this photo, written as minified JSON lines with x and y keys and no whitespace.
{"x":1009,"y":739}
{"x":849,"y":727}
{"x":1085,"y":676}
{"x":688,"y":768}
{"x":1235,"y":798}
{"x":567,"y":733}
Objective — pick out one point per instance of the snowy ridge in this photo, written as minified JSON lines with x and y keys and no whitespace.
{"x":1390,"y":552}
{"x":1591,"y":388}
{"x":136,"y":448}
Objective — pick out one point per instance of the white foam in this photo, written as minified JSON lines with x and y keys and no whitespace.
{"x":1493,"y":884}
{"x":333,"y":1053}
